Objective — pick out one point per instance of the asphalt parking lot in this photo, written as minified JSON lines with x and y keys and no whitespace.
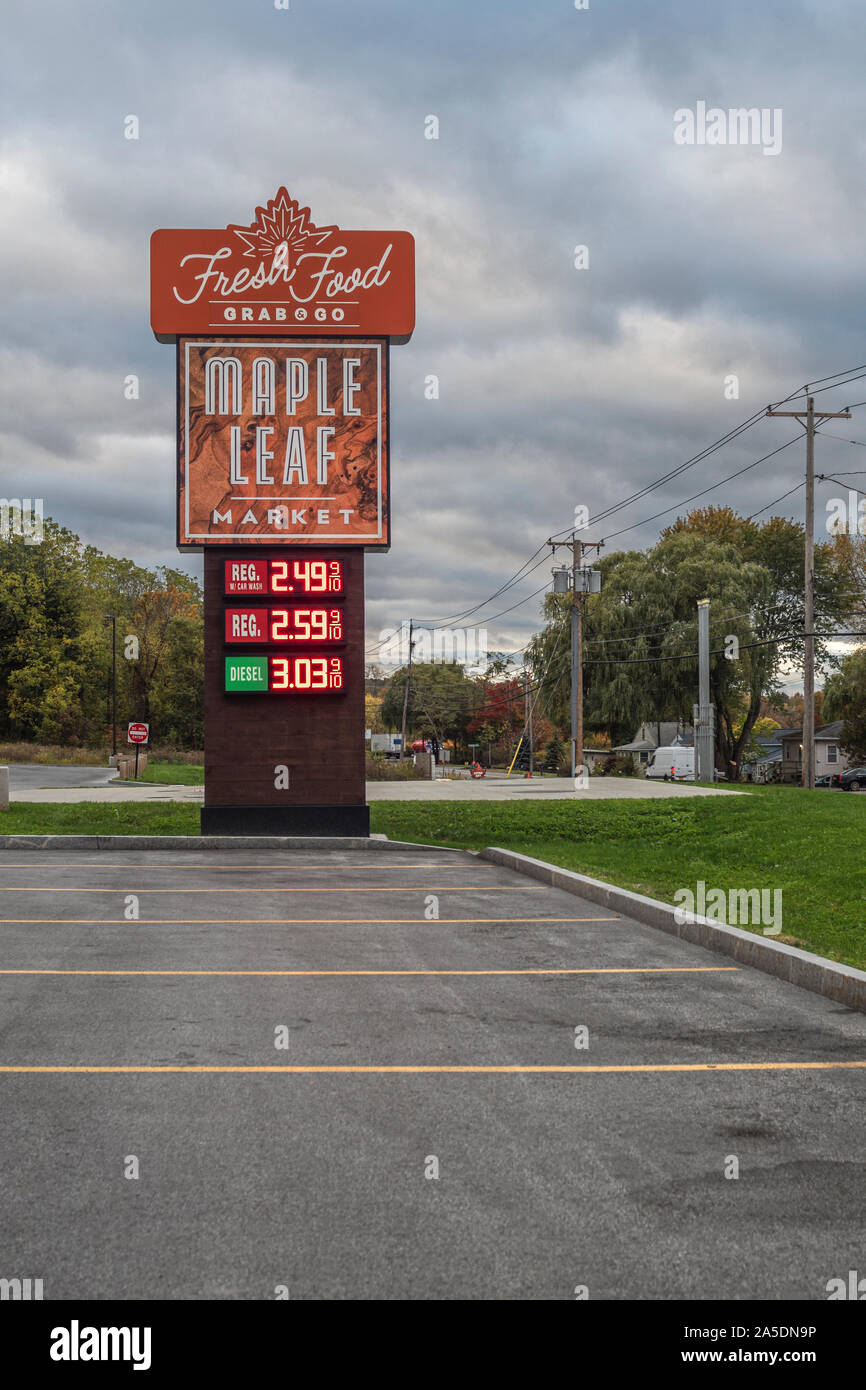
{"x":427,"y":1127}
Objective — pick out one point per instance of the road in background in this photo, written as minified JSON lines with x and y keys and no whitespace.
{"x":25,"y":777}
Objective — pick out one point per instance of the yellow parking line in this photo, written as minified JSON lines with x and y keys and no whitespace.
{"x":286,"y":864}
{"x":280,"y":921}
{"x":540,"y":970}
{"x":409,"y":888}
{"x":450,"y":1070}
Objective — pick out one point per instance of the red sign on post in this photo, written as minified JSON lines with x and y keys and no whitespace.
{"x":281,"y":275}
{"x":138,"y":733}
{"x":283,"y":332}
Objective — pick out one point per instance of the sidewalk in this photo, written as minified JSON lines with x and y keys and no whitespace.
{"x":494,"y":787}
{"x":497,"y":787}
{"x":115,"y":791}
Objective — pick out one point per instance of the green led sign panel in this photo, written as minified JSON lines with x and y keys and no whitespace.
{"x":302,"y":675}
{"x":246,"y":673}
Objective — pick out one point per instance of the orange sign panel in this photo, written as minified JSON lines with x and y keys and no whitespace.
{"x":284,"y":276}
{"x":283,"y":442}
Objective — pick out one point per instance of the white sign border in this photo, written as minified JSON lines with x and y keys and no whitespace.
{"x":282,"y":536}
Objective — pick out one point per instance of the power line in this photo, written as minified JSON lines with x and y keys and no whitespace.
{"x":651,"y":487}
{"x":437,"y":623}
{"x":776,"y":500}
{"x":744,"y":646}
{"x":721,"y":482}
{"x":718,"y":444}
{"x":827,"y":434}
{"x":852,"y":374}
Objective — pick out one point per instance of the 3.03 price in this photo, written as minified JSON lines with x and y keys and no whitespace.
{"x":283,"y":675}
{"x":313,"y":673}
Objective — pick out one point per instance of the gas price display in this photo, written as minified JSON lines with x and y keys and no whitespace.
{"x":278,"y":625}
{"x":282,"y":577}
{"x":302,"y":675}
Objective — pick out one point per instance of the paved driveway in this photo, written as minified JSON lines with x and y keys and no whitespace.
{"x":27,"y":777}
{"x":322,"y":1085}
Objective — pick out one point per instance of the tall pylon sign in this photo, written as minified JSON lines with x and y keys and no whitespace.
{"x":283,"y":332}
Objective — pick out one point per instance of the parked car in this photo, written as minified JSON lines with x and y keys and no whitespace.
{"x":673,"y":764}
{"x":830,"y":779}
{"x":853,"y":780}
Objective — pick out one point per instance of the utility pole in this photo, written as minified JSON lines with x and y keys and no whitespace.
{"x":527,"y":717}
{"x":112,"y":617}
{"x":531,"y":740}
{"x":808,"y":420}
{"x":576,"y":657}
{"x":525,"y":705}
{"x":406,"y":694}
{"x":703,"y":710}
{"x":582,"y":582}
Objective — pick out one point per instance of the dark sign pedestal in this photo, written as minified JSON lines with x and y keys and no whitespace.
{"x":285,"y":820}
{"x":289,"y":762}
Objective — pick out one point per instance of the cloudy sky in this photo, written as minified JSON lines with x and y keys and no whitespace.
{"x":559,"y":386}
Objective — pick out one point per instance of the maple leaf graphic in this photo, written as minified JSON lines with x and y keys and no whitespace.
{"x":282,"y":227}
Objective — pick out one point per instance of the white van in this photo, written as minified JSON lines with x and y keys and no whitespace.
{"x":672,"y":764}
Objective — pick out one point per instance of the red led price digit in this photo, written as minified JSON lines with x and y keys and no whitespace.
{"x":280,"y":673}
{"x":335,"y":628}
{"x":279,"y":625}
{"x":303,"y":676}
{"x":335,"y":678}
{"x":335,"y":578}
{"x":302,"y":623}
{"x":318,"y":577}
{"x":320,"y":673}
{"x":279,"y":576}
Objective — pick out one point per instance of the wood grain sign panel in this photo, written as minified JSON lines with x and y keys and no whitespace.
{"x":283,"y":442}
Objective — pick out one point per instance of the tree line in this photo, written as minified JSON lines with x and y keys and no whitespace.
{"x":640,"y":640}
{"x":56,"y":599}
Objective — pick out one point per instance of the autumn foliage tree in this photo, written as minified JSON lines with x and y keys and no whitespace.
{"x":55,"y":644}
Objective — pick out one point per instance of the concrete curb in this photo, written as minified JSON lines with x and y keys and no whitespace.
{"x":193,"y":843}
{"x":843,"y":983}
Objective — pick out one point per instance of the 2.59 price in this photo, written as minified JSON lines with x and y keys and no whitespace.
{"x":279,"y":625}
{"x":306,"y":625}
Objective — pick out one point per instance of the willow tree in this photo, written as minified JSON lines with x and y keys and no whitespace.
{"x":640,"y":632}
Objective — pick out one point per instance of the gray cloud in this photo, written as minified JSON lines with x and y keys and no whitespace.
{"x":557,"y":385}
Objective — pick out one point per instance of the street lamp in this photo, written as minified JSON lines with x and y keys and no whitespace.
{"x":112,"y":618}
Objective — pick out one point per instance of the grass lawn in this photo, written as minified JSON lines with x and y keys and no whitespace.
{"x":100,"y":818}
{"x":809,"y":844}
{"x":178,"y":774}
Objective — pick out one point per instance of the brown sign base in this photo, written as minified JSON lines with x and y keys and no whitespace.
{"x":285,"y":820}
